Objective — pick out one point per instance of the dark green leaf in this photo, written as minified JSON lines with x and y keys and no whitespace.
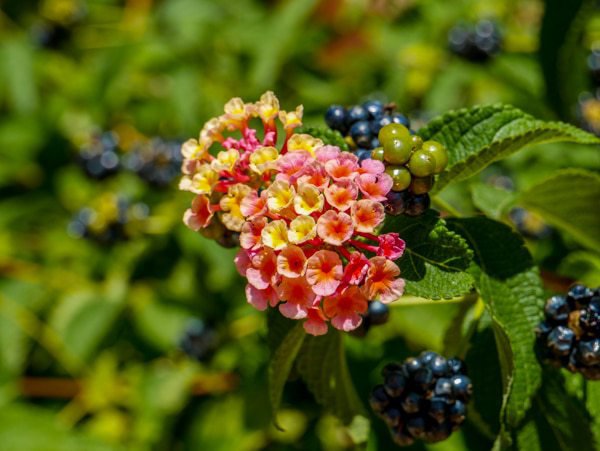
{"x":477,"y":137}
{"x":435,"y":259}
{"x":509,"y":284}
{"x":322,"y":365}
{"x":569,"y":200}
{"x":281,"y":364}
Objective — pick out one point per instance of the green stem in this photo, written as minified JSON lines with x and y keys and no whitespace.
{"x":444,"y":205}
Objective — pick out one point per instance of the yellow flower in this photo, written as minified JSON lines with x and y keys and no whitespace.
{"x":263,"y":159}
{"x":267,"y":107}
{"x":232,"y":217}
{"x":280,"y":195}
{"x":291,"y":119}
{"x":302,"y":229}
{"x":202,"y":182}
{"x":225,"y":160}
{"x":308,"y":200}
{"x":275,"y":235}
{"x":304,"y":142}
{"x":192,"y":150}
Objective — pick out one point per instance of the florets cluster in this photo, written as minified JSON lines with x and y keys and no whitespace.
{"x":307,"y":215}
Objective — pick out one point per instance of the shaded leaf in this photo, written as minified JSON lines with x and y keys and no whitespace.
{"x":569,"y":200}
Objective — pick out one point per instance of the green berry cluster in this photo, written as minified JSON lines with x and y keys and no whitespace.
{"x":410,"y":162}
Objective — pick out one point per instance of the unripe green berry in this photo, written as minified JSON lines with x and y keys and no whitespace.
{"x":439,"y":154}
{"x":421,"y":164}
{"x":417,"y":142}
{"x":422,"y":185}
{"x":377,"y":154}
{"x":397,"y":150}
{"x":392,"y":131}
{"x":401,"y":177}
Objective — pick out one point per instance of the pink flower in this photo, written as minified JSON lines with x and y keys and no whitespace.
{"x":291,"y":261}
{"x":342,"y":168}
{"x":250,"y":237}
{"x":199,"y":216}
{"x":314,"y":174}
{"x":391,"y":246}
{"x":344,"y":309}
{"x":324,"y":272}
{"x":375,"y":187}
{"x":298,"y":296}
{"x":383,"y":281}
{"x":370,"y":166}
{"x":356,"y":269}
{"x":254,"y":205}
{"x":316,"y":322}
{"x":291,"y":163}
{"x":367,"y":214}
{"x":335,"y":228}
{"x":261,"y":299}
{"x":242,"y":262}
{"x":327,"y":153}
{"x":342,"y":194}
{"x":263,"y":271}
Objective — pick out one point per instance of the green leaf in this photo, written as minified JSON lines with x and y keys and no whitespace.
{"x":492,"y":201}
{"x":435,"y":259}
{"x":583,"y":266}
{"x":281,"y":364}
{"x":477,"y":137}
{"x":322,"y":364}
{"x":563,"y":27}
{"x":569,"y":420}
{"x":569,"y":201}
{"x":593,"y":405}
{"x":27,"y":428}
{"x":509,"y":284}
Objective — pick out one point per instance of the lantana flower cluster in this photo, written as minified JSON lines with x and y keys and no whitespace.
{"x":307,"y":215}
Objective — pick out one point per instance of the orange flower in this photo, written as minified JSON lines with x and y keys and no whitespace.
{"x":263,"y":270}
{"x":324,"y":272}
{"x":199,"y":216}
{"x":335,"y":228}
{"x":367,"y":214}
{"x":291,"y":261}
{"x":298,"y":296}
{"x":343,"y":167}
{"x":344,"y":309}
{"x":250,"y":238}
{"x":341,"y":194}
{"x":383,"y":281}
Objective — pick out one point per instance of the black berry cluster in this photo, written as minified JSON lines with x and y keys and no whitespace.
{"x":423,"y":398}
{"x":377,"y":314}
{"x":198,"y":340}
{"x":360,"y":124}
{"x":110,"y":219}
{"x":477,"y":43}
{"x":529,"y":224}
{"x":158,"y":162}
{"x":412,"y":164}
{"x":569,"y":336}
{"x":100,"y":157}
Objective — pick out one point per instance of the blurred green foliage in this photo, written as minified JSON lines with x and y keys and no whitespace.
{"x":110,"y":315}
